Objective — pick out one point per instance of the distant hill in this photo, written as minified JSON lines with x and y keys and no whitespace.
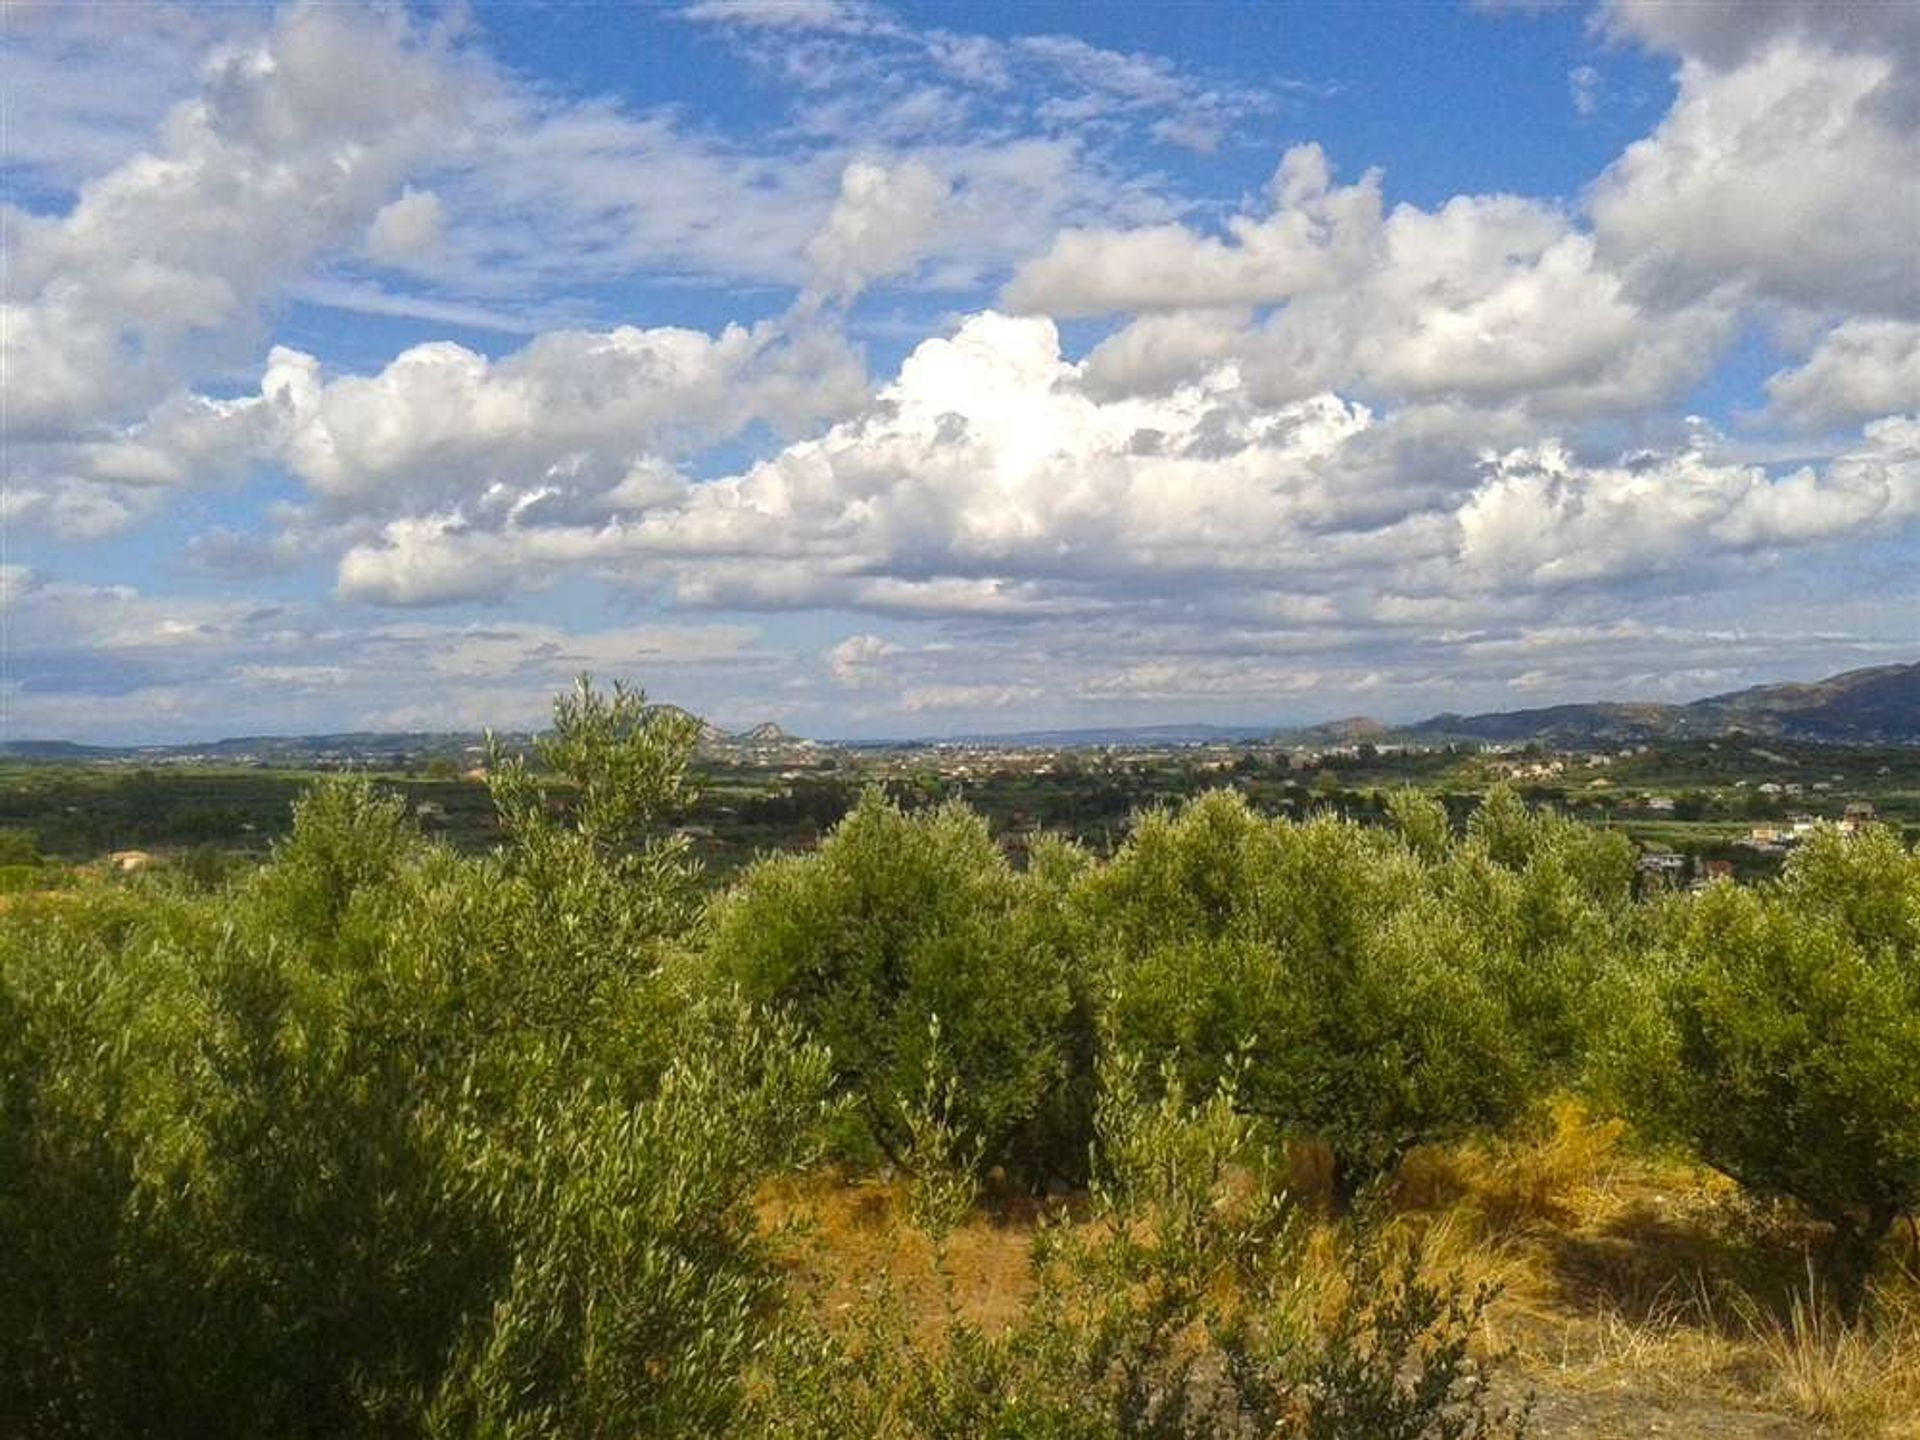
{"x":55,"y":750}
{"x":372,"y":748}
{"x":710,"y":734}
{"x":1108,"y":735}
{"x":1353,"y":730}
{"x":765,"y":733}
{"x":1880,"y":705}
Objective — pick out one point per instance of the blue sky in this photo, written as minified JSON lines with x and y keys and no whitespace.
{"x":893,"y":370}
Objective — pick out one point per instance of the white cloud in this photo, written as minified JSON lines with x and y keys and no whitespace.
{"x":291,"y":146}
{"x":834,"y":15}
{"x":1316,"y":237}
{"x":1787,"y":174}
{"x":1859,"y":369}
{"x":1583,"y":88}
{"x":857,"y":661}
{"x":100,"y":86}
{"x":921,"y":699}
{"x":406,"y":229}
{"x":569,"y":415}
{"x":576,"y":423}
{"x":1542,"y":520}
{"x":1727,"y":32}
{"x":880,"y":225}
{"x":1491,"y":298}
{"x":988,"y":481}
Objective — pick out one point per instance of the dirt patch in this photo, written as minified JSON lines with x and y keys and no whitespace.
{"x":1633,"y":1413}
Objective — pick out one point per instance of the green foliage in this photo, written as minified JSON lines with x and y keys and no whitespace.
{"x":1187,"y":1308}
{"x":389,"y":1141}
{"x":636,"y":1298}
{"x":896,"y":921}
{"x":27,"y":879}
{"x":1422,"y":822}
{"x":1378,"y":999}
{"x":1783,"y":1039}
{"x":18,"y":847}
{"x":585,"y":826}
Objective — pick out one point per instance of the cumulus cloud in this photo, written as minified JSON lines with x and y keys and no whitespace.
{"x":1859,"y":369}
{"x":1539,"y":519}
{"x":290,"y":148}
{"x":105,"y":480}
{"x":1788,"y":174}
{"x":1315,"y":237}
{"x":576,"y":423}
{"x":1491,"y":298}
{"x":989,"y":481}
{"x":857,"y":660}
{"x":406,"y":229}
{"x":1727,"y":32}
{"x":573,"y":413}
{"x":880,"y":225}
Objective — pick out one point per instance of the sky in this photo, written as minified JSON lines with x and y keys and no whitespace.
{"x":896,"y":370}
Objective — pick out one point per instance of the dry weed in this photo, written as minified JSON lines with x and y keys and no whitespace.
{"x":1860,"y":1380}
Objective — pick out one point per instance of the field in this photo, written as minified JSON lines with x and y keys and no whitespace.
{"x":77,"y":814}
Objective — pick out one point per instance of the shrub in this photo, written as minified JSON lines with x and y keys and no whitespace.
{"x":1785,"y":1040}
{"x":386,"y":1140}
{"x":19,"y":847}
{"x":1371,"y":1012}
{"x":896,"y":921}
{"x":1188,"y":1307}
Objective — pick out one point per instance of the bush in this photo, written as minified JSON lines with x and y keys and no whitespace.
{"x":896,"y":921}
{"x":1189,"y":1307}
{"x":1784,"y":1040}
{"x":1372,"y":1007}
{"x":389,"y":1141}
{"x":19,"y":848}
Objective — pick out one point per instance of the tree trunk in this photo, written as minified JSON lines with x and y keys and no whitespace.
{"x":1851,"y":1253}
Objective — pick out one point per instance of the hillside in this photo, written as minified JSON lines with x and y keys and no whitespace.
{"x":1876,"y":705}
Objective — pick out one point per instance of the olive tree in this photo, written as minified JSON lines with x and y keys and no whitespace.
{"x":1784,"y":1043}
{"x":1365,"y":1005}
{"x":898,"y":920}
{"x":388,"y":1140}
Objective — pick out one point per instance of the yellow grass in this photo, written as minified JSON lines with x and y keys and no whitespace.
{"x":1857,"y":1380}
{"x":1618,"y":1274}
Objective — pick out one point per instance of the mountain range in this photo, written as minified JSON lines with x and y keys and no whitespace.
{"x":1878,"y":705}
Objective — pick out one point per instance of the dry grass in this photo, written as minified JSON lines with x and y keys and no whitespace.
{"x":1856,"y":1380}
{"x":1628,"y":1272}
{"x":1619,"y":1275}
{"x":848,"y":1238}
